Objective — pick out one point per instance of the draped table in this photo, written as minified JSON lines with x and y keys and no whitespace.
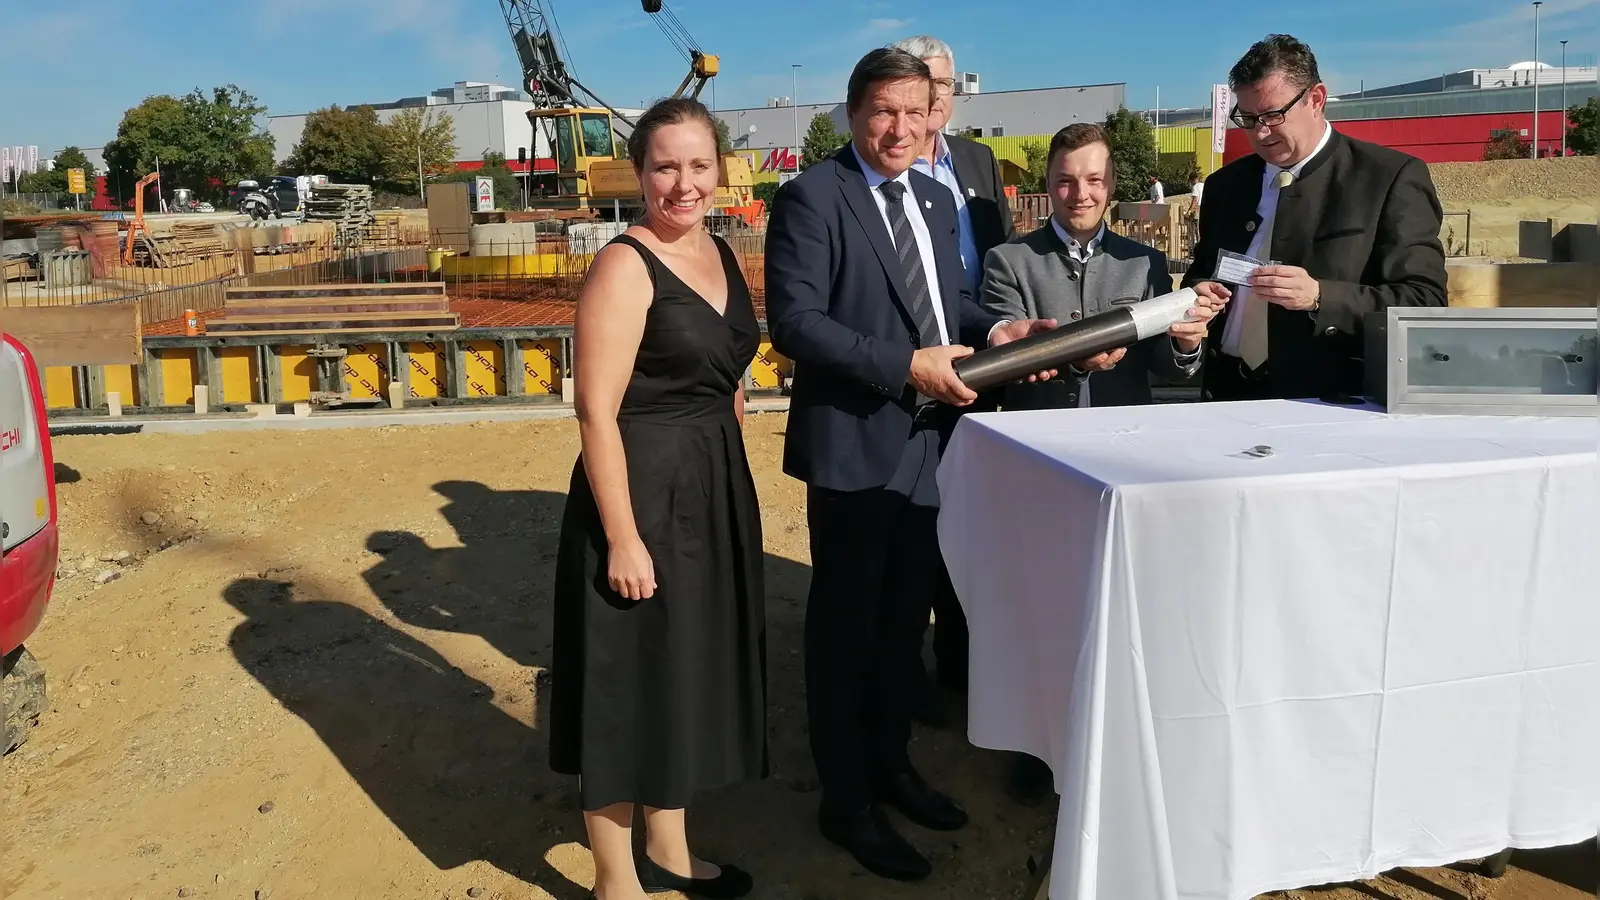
{"x":1277,"y":644}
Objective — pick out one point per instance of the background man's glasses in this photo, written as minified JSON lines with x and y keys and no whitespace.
{"x":944,"y":85}
{"x":1271,"y":118}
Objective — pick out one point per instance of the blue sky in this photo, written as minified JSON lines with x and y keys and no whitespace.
{"x":69,"y":75}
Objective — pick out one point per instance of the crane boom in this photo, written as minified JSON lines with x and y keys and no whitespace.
{"x":544,"y":73}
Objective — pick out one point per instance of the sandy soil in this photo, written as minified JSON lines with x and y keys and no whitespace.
{"x":316,"y":674}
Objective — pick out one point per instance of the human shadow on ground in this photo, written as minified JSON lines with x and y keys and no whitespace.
{"x":462,"y":778}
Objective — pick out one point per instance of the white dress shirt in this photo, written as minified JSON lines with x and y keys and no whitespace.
{"x":1267,"y":209}
{"x":919,"y":229}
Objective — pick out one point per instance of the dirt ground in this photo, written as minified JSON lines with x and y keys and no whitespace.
{"x":1502,"y":193}
{"x":314,"y":670}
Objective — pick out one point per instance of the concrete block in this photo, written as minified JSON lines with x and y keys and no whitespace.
{"x":302,"y":410}
{"x":1575,"y":242}
{"x":569,"y":390}
{"x":202,"y":400}
{"x":261,"y":410}
{"x":114,"y":403}
{"x":397,"y":395}
{"x":1534,"y":240}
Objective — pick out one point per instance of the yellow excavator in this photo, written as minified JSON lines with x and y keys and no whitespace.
{"x":591,"y":165}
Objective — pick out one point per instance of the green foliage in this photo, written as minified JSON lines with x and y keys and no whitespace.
{"x":724,"y":140}
{"x":1178,"y":172}
{"x":507,"y":187}
{"x":204,"y":143}
{"x":823,"y":139}
{"x":54,"y":181}
{"x":418,"y":143}
{"x":1507,"y":144}
{"x":1037,"y":153}
{"x":1133,"y":153}
{"x":1583,"y":128}
{"x":345,"y":144}
{"x":765,"y":191}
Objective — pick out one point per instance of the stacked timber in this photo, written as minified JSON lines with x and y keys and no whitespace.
{"x":341,"y":308}
{"x":195,"y":241}
{"x":346,"y":205}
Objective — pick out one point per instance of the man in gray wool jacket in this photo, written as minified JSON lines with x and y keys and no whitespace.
{"x":1075,"y":267}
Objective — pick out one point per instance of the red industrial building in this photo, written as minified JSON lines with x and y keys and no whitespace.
{"x":1448,"y":138}
{"x":1456,"y":123}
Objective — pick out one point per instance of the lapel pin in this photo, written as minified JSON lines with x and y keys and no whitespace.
{"x":928,"y":204}
{"x":1249,"y":226}
{"x":972,"y":192}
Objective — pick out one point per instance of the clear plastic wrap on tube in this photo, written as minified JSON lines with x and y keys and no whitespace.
{"x":1054,"y":349}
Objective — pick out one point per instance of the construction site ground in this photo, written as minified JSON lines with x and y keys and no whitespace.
{"x":308,"y":665}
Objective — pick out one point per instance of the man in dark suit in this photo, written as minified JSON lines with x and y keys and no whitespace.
{"x":865,"y":294}
{"x":1348,"y":227}
{"x":972,"y":175}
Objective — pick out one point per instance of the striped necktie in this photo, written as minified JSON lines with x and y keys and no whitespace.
{"x":916,"y":278}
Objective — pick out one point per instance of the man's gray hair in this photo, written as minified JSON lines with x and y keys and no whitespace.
{"x":926,"y":47}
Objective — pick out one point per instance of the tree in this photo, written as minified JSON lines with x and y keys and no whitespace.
{"x":418,"y":143}
{"x":507,"y":189}
{"x":822,"y":140}
{"x":1583,"y":128}
{"x":345,"y":144}
{"x":1133,"y":152}
{"x":54,"y":181}
{"x":724,"y":140}
{"x":1506,"y":143}
{"x":1178,"y":172}
{"x":202,"y":143}
{"x":1037,"y":154}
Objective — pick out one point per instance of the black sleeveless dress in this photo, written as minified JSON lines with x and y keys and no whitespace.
{"x":652,"y":701}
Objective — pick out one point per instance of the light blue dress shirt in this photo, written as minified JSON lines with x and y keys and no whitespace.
{"x":943,"y":170}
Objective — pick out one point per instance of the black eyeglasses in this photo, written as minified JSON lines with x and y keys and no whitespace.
{"x":1271,"y":118}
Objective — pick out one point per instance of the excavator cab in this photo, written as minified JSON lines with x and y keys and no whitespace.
{"x":579,"y":137}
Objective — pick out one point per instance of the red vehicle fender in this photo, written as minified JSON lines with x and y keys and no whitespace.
{"x":28,"y":570}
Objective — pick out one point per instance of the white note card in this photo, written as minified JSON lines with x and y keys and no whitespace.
{"x":1232,"y":268}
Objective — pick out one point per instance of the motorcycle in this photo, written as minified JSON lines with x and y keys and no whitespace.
{"x":259,"y":205}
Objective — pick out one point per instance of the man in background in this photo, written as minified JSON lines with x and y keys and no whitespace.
{"x":968,"y":169}
{"x":1073,"y":268}
{"x":1344,"y":228}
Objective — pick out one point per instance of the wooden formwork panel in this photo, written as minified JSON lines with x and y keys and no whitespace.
{"x":241,"y":371}
{"x":298,"y":372}
{"x":541,"y":367}
{"x":61,"y":388}
{"x":180,"y":372}
{"x":124,"y":382}
{"x":366,"y":370}
{"x":485,"y":365}
{"x":427,"y":376}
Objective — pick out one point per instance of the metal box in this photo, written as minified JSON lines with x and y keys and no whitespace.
{"x":1484,"y":362}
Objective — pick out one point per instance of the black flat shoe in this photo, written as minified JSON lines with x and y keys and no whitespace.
{"x":730,"y":882}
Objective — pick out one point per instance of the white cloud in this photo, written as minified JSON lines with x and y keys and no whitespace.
{"x":875,"y":25}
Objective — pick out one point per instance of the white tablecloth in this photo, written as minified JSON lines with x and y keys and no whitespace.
{"x":1377,"y":646}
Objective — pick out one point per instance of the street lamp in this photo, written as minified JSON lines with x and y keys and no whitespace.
{"x":1563,"y":99}
{"x":1536,"y":5}
{"x":794,"y":107}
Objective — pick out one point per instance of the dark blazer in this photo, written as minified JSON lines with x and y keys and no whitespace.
{"x":979,"y":175}
{"x":1034,"y":277}
{"x":836,"y":306}
{"x":1362,"y":219}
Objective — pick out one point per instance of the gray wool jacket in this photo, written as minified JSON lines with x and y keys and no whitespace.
{"x":1035,"y":276}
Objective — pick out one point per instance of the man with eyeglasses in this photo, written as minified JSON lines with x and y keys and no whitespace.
{"x":1343,"y":227}
{"x":969,"y":171}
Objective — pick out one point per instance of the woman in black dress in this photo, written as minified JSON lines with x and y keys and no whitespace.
{"x":659,"y":674}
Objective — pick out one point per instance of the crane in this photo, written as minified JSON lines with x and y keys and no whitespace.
{"x":580,"y":127}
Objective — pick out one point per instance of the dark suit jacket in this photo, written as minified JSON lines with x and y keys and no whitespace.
{"x":1034,"y":277}
{"x":979,"y":175}
{"x":1362,"y":219}
{"x":836,"y":306}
